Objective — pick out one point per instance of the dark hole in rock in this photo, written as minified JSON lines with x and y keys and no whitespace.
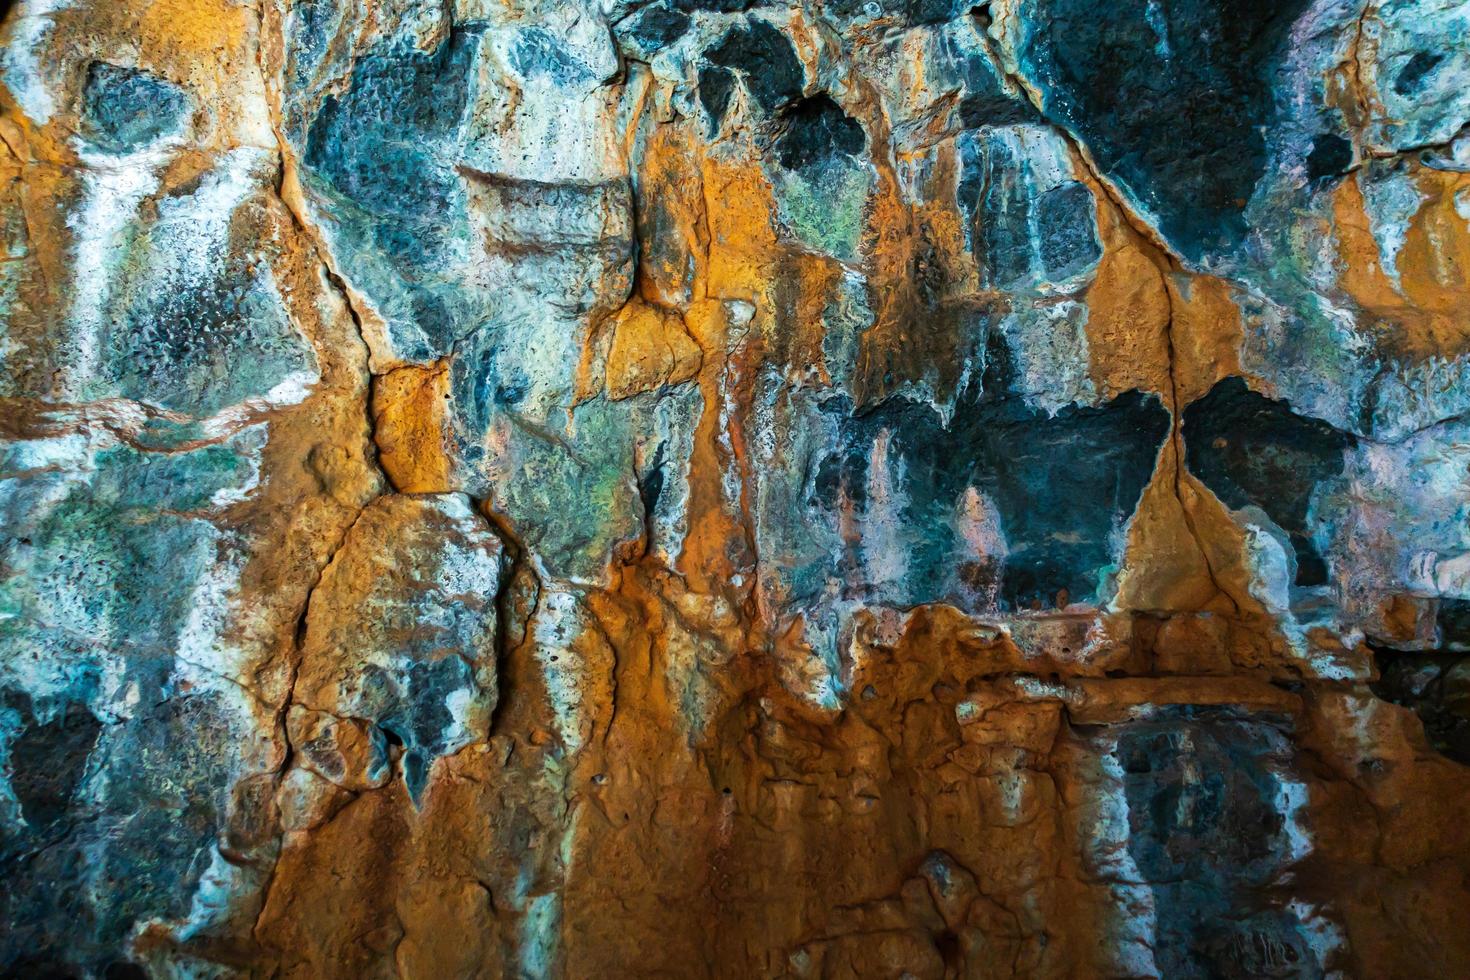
{"x":49,"y":761}
{"x":1436,"y":687}
{"x":651,"y":485}
{"x":1172,"y":99}
{"x":1059,"y":482}
{"x":657,"y":27}
{"x":1136,"y":762}
{"x":994,"y":109}
{"x":1331,"y":156}
{"x":716,"y":85}
{"x":948,"y":945}
{"x":815,"y":130}
{"x":1453,"y":620}
{"x":1412,"y":79}
{"x":1252,"y":450}
{"x":765,"y":58}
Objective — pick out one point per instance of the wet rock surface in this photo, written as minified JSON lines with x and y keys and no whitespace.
{"x":710,"y":488}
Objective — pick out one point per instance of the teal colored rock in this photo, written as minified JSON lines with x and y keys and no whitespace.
{"x":125,"y":733}
{"x":125,"y":109}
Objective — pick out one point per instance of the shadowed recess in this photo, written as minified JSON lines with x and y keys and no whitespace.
{"x":1251,"y":450}
{"x":1063,"y":485}
{"x":1172,"y":100}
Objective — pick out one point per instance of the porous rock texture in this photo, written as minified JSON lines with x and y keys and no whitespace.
{"x":602,"y":488}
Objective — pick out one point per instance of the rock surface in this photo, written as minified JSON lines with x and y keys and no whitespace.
{"x":900,"y":488}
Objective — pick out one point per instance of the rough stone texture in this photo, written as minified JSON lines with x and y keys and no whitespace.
{"x":901,"y":488}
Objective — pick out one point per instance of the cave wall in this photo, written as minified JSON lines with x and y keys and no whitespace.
{"x":526,"y":488}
